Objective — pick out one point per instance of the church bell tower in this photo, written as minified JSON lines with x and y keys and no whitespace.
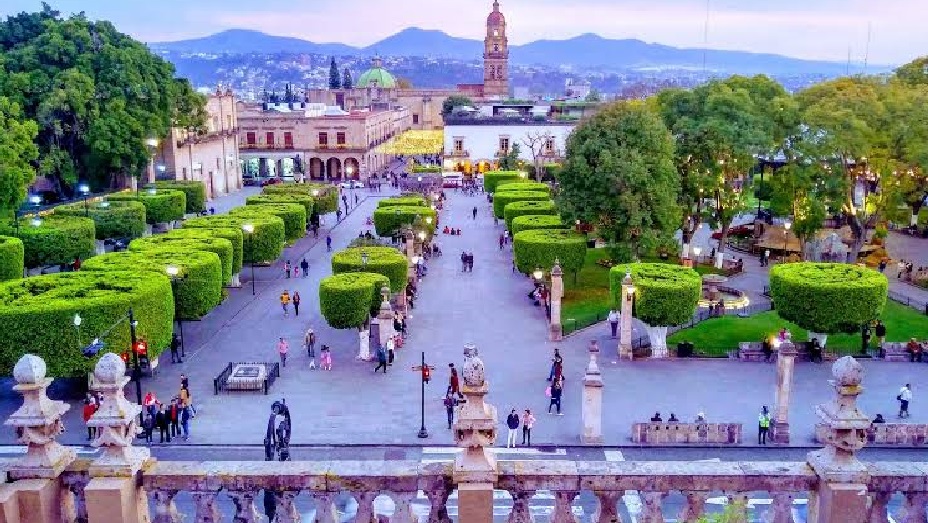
{"x":496,"y":56}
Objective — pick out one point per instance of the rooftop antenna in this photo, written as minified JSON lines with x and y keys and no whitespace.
{"x":847,"y":68}
{"x":705,"y":40}
{"x":867,"y":49}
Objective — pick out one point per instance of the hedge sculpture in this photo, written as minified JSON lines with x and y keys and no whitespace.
{"x":403,"y":201}
{"x":504,"y":198}
{"x":536,"y":221}
{"x":57,"y":240}
{"x":112,"y":219}
{"x":11,"y":258}
{"x":492,"y":179}
{"x":161,"y":206}
{"x":325,"y":196}
{"x":37,"y":315}
{"x":221,"y":247}
{"x":522,"y":185}
{"x":389,"y":220}
{"x":527,"y":208}
{"x":235,"y":237}
{"x":381,"y":260}
{"x":347,"y":300}
{"x":264,"y":245}
{"x":302,"y":199}
{"x":541,"y":247}
{"x":194,"y":191}
{"x":293,"y":215}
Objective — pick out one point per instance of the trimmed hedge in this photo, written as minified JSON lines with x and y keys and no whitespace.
{"x":37,"y":315}
{"x":160,"y":207}
{"x":194,"y":191}
{"x":389,"y":220}
{"x":264,"y":245}
{"x":324,"y":196}
{"x":492,"y":179}
{"x":522,"y":185}
{"x":235,"y":237}
{"x":503,"y":198}
{"x":220,"y":246}
{"x":347,"y":300}
{"x":302,"y":199}
{"x":12,"y":256}
{"x":665,"y":294}
{"x":541,"y":247}
{"x":293,"y":215}
{"x":116,"y":219}
{"x":827,"y":298}
{"x":59,"y":239}
{"x":402,"y":201}
{"x":528,"y":208}
{"x":198,"y":291}
{"x":536,"y":221}
{"x":922,"y":217}
{"x":381,"y":260}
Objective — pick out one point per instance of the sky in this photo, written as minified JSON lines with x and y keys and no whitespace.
{"x":812,"y":29}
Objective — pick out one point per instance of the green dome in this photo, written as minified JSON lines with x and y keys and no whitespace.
{"x":377,"y":76}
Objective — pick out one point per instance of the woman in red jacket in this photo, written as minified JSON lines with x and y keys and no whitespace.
{"x":89,"y":408}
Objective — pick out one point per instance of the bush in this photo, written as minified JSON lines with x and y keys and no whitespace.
{"x":522,"y":185}
{"x":389,"y":220}
{"x":381,"y":260}
{"x":426,"y":169}
{"x":160,"y":206}
{"x":264,"y":245}
{"x":116,"y":219}
{"x":199,"y":288}
{"x":827,"y":298}
{"x":293,"y":215}
{"x":503,"y":198}
{"x":194,"y":191}
{"x":347,"y":300}
{"x":12,"y":256}
{"x":402,"y":201}
{"x":923,"y":217}
{"x":220,"y":246}
{"x":37,"y":315}
{"x":527,"y":208}
{"x":541,"y":247}
{"x":492,"y":179}
{"x":235,"y":237}
{"x":57,"y":240}
{"x":302,"y":199}
{"x":536,"y":221}
{"x":665,"y":294}
{"x":325,"y":196}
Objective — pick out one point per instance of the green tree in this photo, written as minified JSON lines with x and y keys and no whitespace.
{"x":593,"y":96}
{"x":619,"y":176}
{"x":914,"y":72}
{"x":335,"y":81}
{"x":17,"y":153}
{"x":346,"y":79}
{"x":447,"y":107}
{"x":510,"y":160}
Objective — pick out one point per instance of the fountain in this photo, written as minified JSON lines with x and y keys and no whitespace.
{"x":713,"y":291}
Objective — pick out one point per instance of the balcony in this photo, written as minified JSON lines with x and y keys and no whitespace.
{"x":268,"y":146}
{"x":459,"y":153}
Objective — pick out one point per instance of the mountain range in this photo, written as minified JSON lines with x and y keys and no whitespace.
{"x":583,"y":51}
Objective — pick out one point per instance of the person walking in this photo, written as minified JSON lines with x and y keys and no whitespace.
{"x":381,"y":360}
{"x":904,"y":397}
{"x":512,"y":421}
{"x":90,"y":408}
{"x":557,"y":366}
{"x":174,"y":418}
{"x":287,"y":268}
{"x":148,"y":426}
{"x":463,"y":261}
{"x":285,"y":302}
{"x":162,"y":421}
{"x":557,"y":389}
{"x":613,"y":318}
{"x":450,"y":403}
{"x":185,"y":421}
{"x":528,"y":421}
{"x":880,"y":331}
{"x":474,"y":212}
{"x":502,"y":241}
{"x":296,"y":303}
{"x":470,"y":261}
{"x":151,"y":403}
{"x":175,"y":349}
{"x":305,"y":266}
{"x":454,"y":383}
{"x":309,"y":340}
{"x":338,"y":215}
{"x":328,"y":243}
{"x":763,"y":426}
{"x":282,"y":349}
{"x":327,"y":358}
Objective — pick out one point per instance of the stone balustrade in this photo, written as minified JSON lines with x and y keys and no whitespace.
{"x":669,"y":433}
{"x":889,"y":434}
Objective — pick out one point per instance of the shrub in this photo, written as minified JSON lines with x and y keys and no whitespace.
{"x":235,"y":237}
{"x":347,"y":300}
{"x":37,"y":315}
{"x":504,"y":198}
{"x":302,"y":199}
{"x":402,"y":201}
{"x":381,"y":260}
{"x":220,"y":246}
{"x":389,"y":220}
{"x":264,"y":245}
{"x":536,"y":221}
{"x":57,"y":240}
{"x":827,"y":298}
{"x":160,"y":206}
{"x":492,"y":179}
{"x":324,"y":196}
{"x":199,"y":287}
{"x":923,"y":217}
{"x":528,"y":208}
{"x":541,"y":247}
{"x":194,"y":191}
{"x":12,"y":256}
{"x":293,"y":215}
{"x":522,"y":185}
{"x":426,"y":169}
{"x":665,"y":294}
{"x":116,"y":219}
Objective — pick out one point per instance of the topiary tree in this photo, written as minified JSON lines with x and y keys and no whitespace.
{"x":235,"y":237}
{"x":536,"y":221}
{"x":665,"y":295}
{"x":57,"y":240}
{"x":381,"y":260}
{"x":324,"y":196}
{"x":199,"y":284}
{"x":293,"y":215}
{"x":195,"y":192}
{"x":503,"y":198}
{"x":305,"y":200}
{"x":540,"y":248}
{"x":160,"y":206}
{"x":347,"y":301}
{"x":116,"y":219}
{"x":11,"y":258}
{"x":220,"y":246}
{"x":522,"y":184}
{"x":389,"y":220}
{"x":264,"y":245}
{"x":827,"y":298}
{"x":37,"y":315}
{"x":527,"y":208}
{"x":403,"y":201}
{"x":492,"y":179}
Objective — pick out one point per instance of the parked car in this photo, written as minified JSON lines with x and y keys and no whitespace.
{"x":352,"y":184}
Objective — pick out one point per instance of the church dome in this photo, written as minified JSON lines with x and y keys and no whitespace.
{"x":377,"y":76}
{"x":496,"y":17}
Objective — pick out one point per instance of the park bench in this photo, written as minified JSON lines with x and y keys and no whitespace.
{"x":753,"y":351}
{"x":672,"y":433}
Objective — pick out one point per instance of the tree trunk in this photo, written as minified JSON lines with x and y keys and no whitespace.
{"x":723,"y":241}
{"x":658,"y":337}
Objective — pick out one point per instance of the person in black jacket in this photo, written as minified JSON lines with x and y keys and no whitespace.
{"x":512,"y":421}
{"x":162,"y":422}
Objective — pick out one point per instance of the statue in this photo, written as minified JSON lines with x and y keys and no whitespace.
{"x":473,"y":371}
{"x":277,"y":437}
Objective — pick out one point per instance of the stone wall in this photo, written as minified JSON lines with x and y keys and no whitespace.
{"x":889,"y":434}
{"x":660,"y":433}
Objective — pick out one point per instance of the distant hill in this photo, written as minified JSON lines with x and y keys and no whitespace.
{"x":587,"y":50}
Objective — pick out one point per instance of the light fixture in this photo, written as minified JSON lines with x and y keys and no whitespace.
{"x":172,"y":270}
{"x":419,"y":178}
{"x":36,"y":222}
{"x":35,"y":199}
{"x":315,"y":192}
{"x":77,"y":320}
{"x":523,"y":174}
{"x":630,"y":290}
{"x":363,"y":257}
{"x":152,"y":142}
{"x":415,"y":260}
{"x":248,"y":228}
{"x":697,"y":251}
{"x":421,"y":236}
{"x":104,"y":204}
{"x":83,"y":188}
{"x":152,"y":191}
{"x":577,"y":223}
{"x":787,"y":225}
{"x":538,"y":274}
{"x":428,"y":220}
{"x":162,"y":168}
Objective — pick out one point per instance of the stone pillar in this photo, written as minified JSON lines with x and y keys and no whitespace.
{"x":842,"y":487}
{"x":592,"y":412}
{"x":625,"y":321}
{"x":410,"y":252}
{"x":475,"y":471}
{"x":557,"y":292}
{"x":786,"y":359}
{"x":385,"y":317}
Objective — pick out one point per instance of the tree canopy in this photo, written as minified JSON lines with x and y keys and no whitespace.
{"x":447,"y":107}
{"x":17,"y":154}
{"x":335,"y":81}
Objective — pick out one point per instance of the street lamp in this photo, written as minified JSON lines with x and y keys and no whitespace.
{"x":421,"y":236}
{"x":84,"y":189}
{"x":77,"y":325}
{"x":538,"y":274}
{"x":173,"y":272}
{"x":425,"y":372}
{"x":35,"y":199}
{"x":428,"y":220}
{"x":152,"y":144}
{"x":364,"y":258}
{"x":696,"y":252}
{"x":786,"y":227}
{"x":249,"y":229}
{"x":36,"y":221}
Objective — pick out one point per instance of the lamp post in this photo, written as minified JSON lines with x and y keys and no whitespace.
{"x":84,"y":189}
{"x":786,"y":227}
{"x":696,"y":252}
{"x":152,"y":144}
{"x":426,"y":373}
{"x":249,"y":230}
{"x":137,"y":368}
{"x":77,"y":325}
{"x":173,"y":272}
{"x":364,"y":258}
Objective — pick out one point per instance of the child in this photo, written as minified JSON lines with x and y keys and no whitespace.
{"x":326,"y":358}
{"x":310,"y":341}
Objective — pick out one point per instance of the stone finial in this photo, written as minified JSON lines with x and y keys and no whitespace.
{"x":37,"y":423}
{"x":385,"y":307}
{"x":473,"y":371}
{"x":557,"y":271}
{"x":475,"y":427}
{"x":116,"y":421}
{"x":592,"y":368}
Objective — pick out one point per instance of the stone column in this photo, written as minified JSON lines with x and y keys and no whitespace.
{"x":592,"y":412}
{"x":786,"y":359}
{"x":557,"y":292}
{"x":625,"y":321}
{"x":475,"y":470}
{"x":842,"y":487}
{"x":410,"y":252}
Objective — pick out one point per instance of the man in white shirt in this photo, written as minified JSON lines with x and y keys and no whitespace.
{"x":613,"y":321}
{"x":904,"y":397}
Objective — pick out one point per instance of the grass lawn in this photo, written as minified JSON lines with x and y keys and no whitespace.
{"x":717,"y":336}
